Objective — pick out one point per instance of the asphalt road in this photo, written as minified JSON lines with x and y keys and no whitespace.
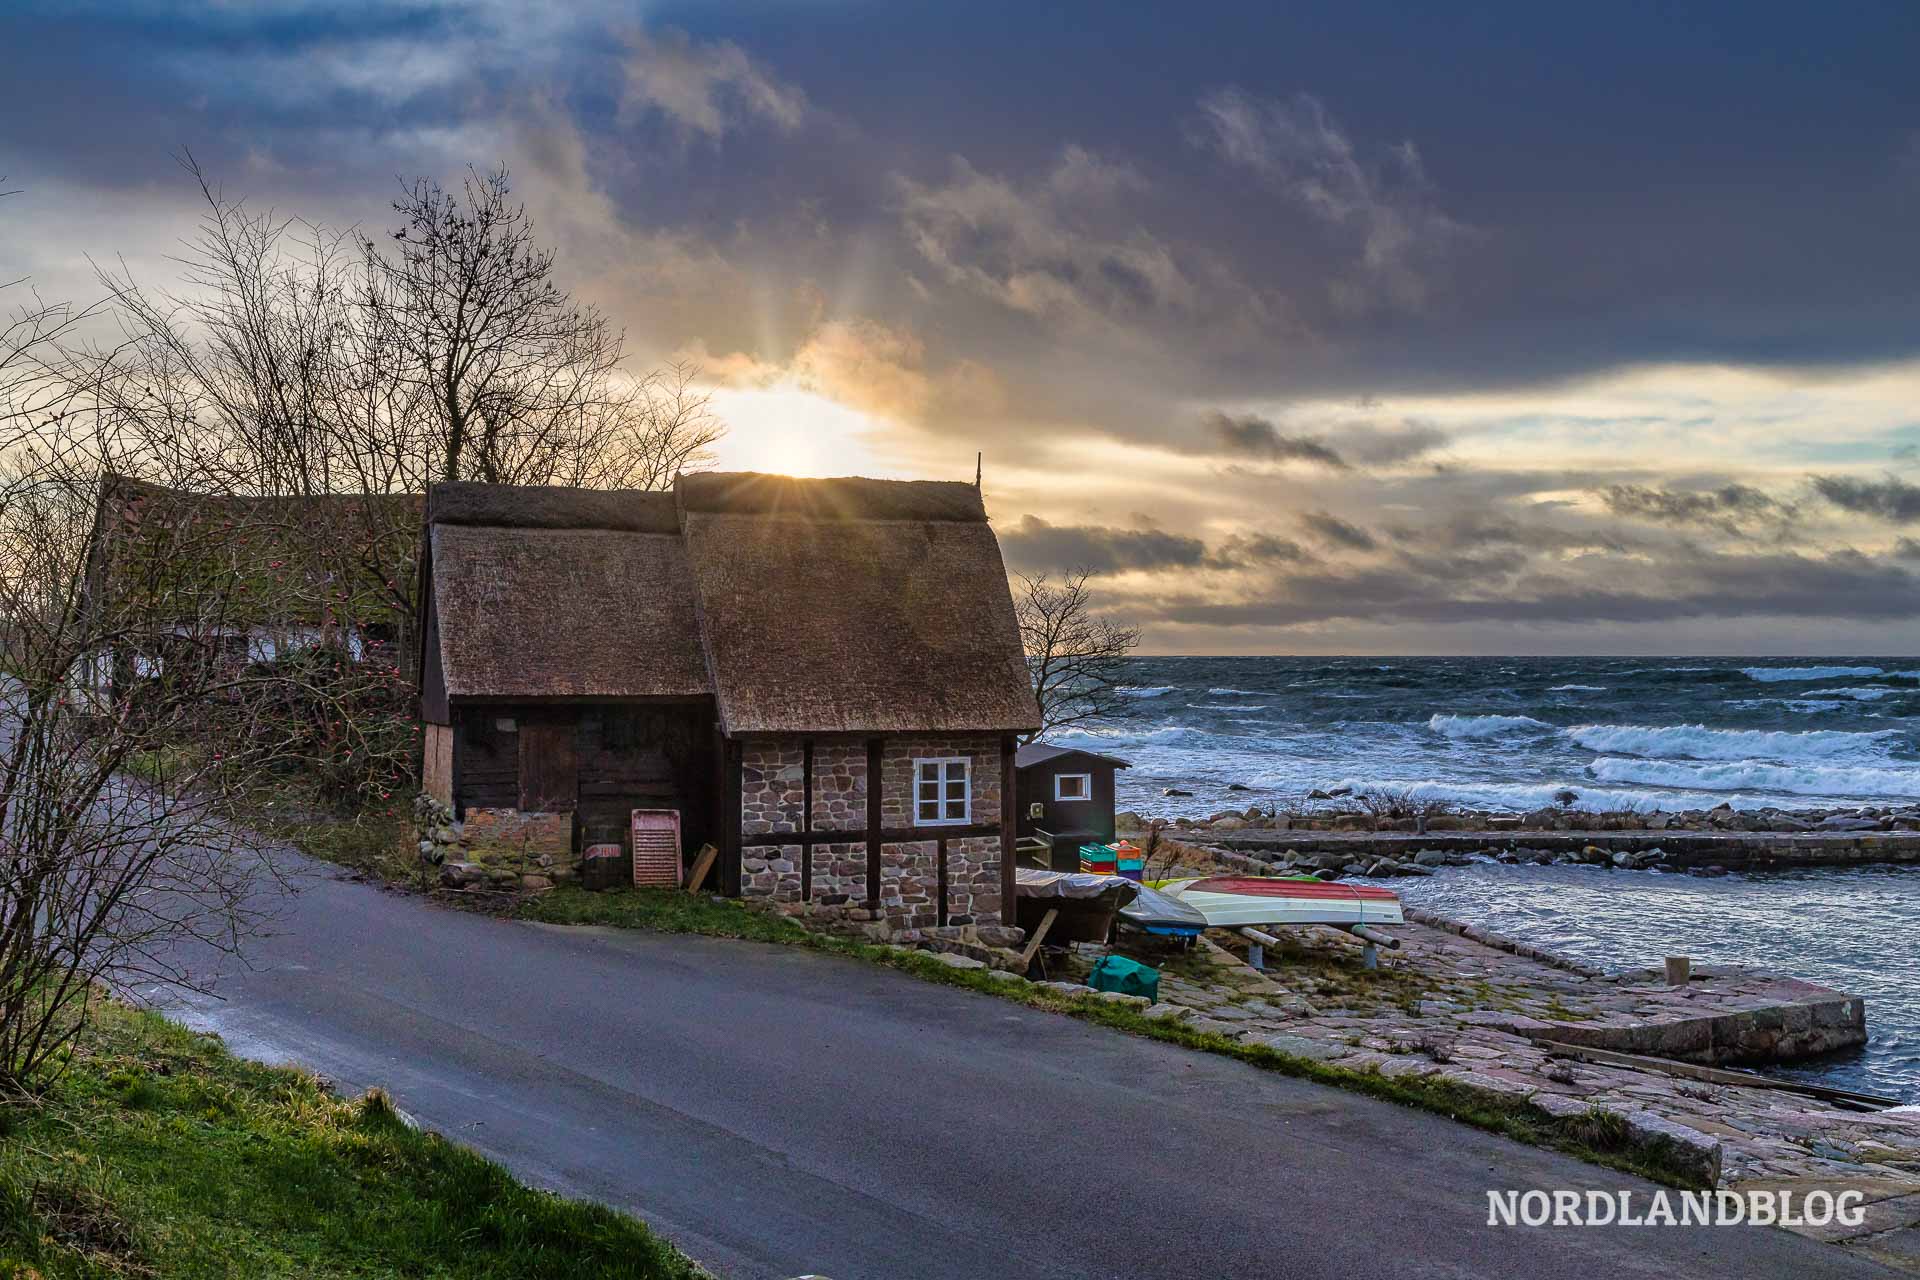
{"x":776,"y":1112}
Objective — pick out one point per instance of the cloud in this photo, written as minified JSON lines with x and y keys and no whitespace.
{"x":1890,"y":499}
{"x":1731,"y":508}
{"x":1300,"y":150}
{"x":1035,"y":545}
{"x":1255,"y":437}
{"x":1061,"y":247}
{"x":1335,"y":532}
{"x":706,"y":89}
{"x":1379,"y":446}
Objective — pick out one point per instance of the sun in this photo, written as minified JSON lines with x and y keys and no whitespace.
{"x":792,"y":431}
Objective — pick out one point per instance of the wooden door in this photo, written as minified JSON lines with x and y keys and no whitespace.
{"x":549,"y":766}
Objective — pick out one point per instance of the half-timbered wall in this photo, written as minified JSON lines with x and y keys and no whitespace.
{"x":886,"y":867}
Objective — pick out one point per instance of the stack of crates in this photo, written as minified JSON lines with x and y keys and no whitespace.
{"x":1129,"y":861}
{"x":1099,"y":859}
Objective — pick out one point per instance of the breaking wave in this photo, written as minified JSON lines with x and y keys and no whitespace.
{"x":1231,"y":693}
{"x":1578,"y":688}
{"x":1799,"y":780}
{"x":1521,"y":797}
{"x":1486,"y":726}
{"x":1144,"y":691}
{"x":1698,"y":742}
{"x":1771,"y":674}
{"x":1224,"y":706}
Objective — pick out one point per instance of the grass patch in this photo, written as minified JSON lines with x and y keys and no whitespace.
{"x":160,"y":1154}
{"x":665,"y":911}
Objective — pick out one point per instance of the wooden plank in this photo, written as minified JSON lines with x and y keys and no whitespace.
{"x":701,"y":865}
{"x":1039,"y":936}
{"x":888,"y":835}
{"x":874,"y":822}
{"x":940,"y":879}
{"x":549,"y":766}
{"x":806,"y":818}
{"x":1009,"y":783}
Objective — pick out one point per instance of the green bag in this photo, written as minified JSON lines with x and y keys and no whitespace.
{"x":1129,"y":977}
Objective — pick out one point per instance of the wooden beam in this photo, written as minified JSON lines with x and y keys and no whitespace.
{"x":702,"y":865}
{"x":940,"y":879}
{"x":1008,"y":817}
{"x":1039,"y":936}
{"x":730,"y":797}
{"x":888,"y":835}
{"x":806,"y":818}
{"x":874,"y":820}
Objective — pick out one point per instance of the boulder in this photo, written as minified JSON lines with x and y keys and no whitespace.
{"x":1227,"y":824}
{"x":1238,"y":786}
{"x":1431,"y":858}
{"x":1175,"y":792}
{"x":459,"y":875}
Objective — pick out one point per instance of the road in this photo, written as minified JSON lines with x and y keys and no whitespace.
{"x":777,"y":1112}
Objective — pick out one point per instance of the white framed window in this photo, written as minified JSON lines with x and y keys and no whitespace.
{"x":1073,"y":786}
{"x":942,"y":791}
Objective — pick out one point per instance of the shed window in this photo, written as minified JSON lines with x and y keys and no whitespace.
{"x":942,"y":792}
{"x":1072,"y":786}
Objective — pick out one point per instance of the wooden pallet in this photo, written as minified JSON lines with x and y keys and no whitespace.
{"x":656,"y":848}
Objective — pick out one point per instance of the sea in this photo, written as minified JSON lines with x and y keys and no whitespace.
{"x":1620,"y":733}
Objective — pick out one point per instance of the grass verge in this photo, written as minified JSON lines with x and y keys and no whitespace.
{"x":160,"y":1154}
{"x":1599,"y":1138}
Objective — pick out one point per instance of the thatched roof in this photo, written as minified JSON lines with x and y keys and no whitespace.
{"x":547,"y":507}
{"x":271,"y":558}
{"x":853,"y":606}
{"x":803,"y":606}
{"x":564,"y":613}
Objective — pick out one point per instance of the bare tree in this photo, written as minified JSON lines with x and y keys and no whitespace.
{"x":303,"y":361}
{"x":526,"y":381}
{"x":1076,"y":657}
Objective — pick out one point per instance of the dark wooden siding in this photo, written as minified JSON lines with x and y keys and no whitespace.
{"x":433,"y":680}
{"x":1072,"y":822}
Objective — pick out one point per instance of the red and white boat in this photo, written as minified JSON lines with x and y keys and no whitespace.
{"x":1233,"y":902}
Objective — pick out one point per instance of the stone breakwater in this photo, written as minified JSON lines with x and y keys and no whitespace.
{"x":1483,"y":1012}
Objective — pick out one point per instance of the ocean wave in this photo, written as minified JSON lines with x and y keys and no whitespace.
{"x":1223,"y":706}
{"x":1799,"y":780}
{"x":1771,"y":675}
{"x":1578,"y":688}
{"x":1521,"y":797}
{"x":1224,"y":692}
{"x":1144,"y":691}
{"x":1698,"y":742}
{"x":1868,"y":693}
{"x":1486,"y":726}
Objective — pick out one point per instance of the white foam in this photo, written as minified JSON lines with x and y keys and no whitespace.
{"x":1223,"y":706}
{"x":1224,"y":692}
{"x":1144,"y":691}
{"x":1799,"y":780}
{"x":1772,"y":674}
{"x":1578,"y":688}
{"x":1698,"y":742}
{"x":1520,"y":797}
{"x":1486,"y":726}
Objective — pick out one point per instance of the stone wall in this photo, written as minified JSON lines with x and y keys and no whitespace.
{"x":840,"y":784}
{"x":772,"y":788}
{"x":896,"y":775}
{"x":509,"y":835}
{"x":773,"y":802}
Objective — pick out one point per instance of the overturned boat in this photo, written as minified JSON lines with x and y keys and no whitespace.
{"x":1234,"y":902}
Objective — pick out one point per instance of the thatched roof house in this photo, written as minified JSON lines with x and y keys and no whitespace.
{"x":249,"y":575}
{"x":823,"y":677}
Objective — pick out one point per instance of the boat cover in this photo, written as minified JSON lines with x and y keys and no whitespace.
{"x":1159,"y":912}
{"x":1030,"y":882}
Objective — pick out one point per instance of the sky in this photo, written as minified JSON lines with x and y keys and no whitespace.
{"x":1309,"y":328}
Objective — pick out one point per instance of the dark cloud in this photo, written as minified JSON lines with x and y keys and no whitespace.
{"x":1730,"y":507}
{"x":1335,"y":532}
{"x":1035,"y":545}
{"x":1249,"y":436}
{"x":1386,"y":446}
{"x":1689,"y":584}
{"x":1906,"y":549}
{"x":1890,"y":499}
